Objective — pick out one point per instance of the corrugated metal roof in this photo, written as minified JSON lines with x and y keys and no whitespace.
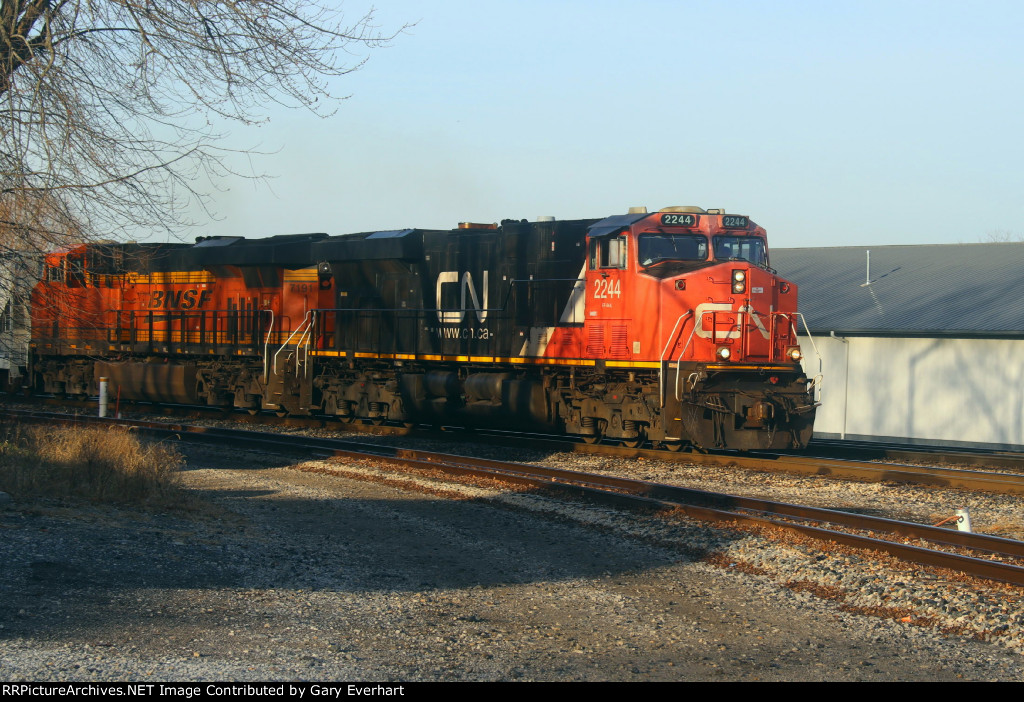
{"x":941,"y":289}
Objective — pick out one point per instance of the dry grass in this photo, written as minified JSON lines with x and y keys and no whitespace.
{"x":100,"y":464}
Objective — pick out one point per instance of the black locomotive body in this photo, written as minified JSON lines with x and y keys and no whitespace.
{"x":455,"y":311}
{"x":467,"y":292}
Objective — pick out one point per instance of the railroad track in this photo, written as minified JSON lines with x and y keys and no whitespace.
{"x":869,"y":463}
{"x":977,"y":555}
{"x":844,"y":469}
{"x":842,"y":448}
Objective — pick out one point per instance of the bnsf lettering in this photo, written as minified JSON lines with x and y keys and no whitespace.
{"x":179,"y":299}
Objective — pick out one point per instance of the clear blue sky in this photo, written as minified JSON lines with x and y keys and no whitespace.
{"x":829,"y":123}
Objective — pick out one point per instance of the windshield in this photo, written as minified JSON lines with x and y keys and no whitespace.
{"x":745,"y":248}
{"x":654,"y":248}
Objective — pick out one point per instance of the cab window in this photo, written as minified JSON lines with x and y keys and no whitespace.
{"x":75,"y":272}
{"x":609,"y":252}
{"x":655,"y":248}
{"x":741,"y":248}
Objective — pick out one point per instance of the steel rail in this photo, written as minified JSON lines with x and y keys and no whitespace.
{"x":844,"y":469}
{"x":903,"y":452}
{"x":835,"y":468}
{"x":699,"y":504}
{"x":837,"y":449}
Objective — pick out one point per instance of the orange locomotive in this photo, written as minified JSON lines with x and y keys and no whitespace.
{"x":666,"y":327}
{"x":170,"y":322}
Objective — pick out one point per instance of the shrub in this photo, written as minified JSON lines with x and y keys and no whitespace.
{"x":102,"y":464}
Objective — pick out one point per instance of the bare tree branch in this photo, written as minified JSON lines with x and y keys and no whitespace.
{"x":105,"y":105}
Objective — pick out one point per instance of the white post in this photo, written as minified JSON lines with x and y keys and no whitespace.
{"x":103,"y":397}
{"x":964,"y":521}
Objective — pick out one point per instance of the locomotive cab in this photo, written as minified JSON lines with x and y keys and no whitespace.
{"x":690,"y":292}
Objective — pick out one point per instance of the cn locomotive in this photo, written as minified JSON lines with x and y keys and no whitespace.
{"x":667,"y":327}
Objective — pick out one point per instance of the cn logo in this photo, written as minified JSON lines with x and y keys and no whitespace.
{"x":452,"y":278}
{"x":725,"y":307}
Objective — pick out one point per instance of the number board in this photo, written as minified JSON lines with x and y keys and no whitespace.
{"x":679,"y":220}
{"x":734,"y":221}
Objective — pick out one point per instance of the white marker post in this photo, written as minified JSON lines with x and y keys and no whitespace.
{"x":964,"y":521}
{"x":103,"y":397}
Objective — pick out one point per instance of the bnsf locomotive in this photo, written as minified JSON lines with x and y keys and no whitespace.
{"x":666,"y":327}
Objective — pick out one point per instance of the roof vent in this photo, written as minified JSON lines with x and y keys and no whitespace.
{"x":638,"y":210}
{"x":546,"y":218}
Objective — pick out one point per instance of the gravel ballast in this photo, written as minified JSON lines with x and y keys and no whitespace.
{"x":314,"y":575}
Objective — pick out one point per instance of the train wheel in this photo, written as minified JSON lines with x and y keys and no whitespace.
{"x":636,"y":442}
{"x":673,"y":446}
{"x":253,"y":412}
{"x":281,"y":412}
{"x":377,"y":421}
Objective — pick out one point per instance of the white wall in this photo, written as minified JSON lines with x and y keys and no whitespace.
{"x":937,"y":391}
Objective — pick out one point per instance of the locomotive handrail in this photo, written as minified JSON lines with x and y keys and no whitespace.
{"x":266,"y":349}
{"x":664,"y":352}
{"x":679,"y":392}
{"x":810,"y":337}
{"x":383,"y":309}
{"x":290,"y":336}
{"x":796,"y":329}
{"x":816,"y":383}
{"x":304,"y":341}
{"x":172,"y":326}
{"x":504,"y":305}
{"x":672,"y":335}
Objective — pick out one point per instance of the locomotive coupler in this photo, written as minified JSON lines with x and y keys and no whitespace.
{"x":759,"y":414}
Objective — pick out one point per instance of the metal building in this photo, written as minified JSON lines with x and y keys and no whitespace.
{"x":917,"y":344}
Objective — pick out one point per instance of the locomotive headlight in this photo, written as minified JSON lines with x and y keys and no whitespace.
{"x":739,"y":281}
{"x":793,"y":354}
{"x":723,"y":353}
